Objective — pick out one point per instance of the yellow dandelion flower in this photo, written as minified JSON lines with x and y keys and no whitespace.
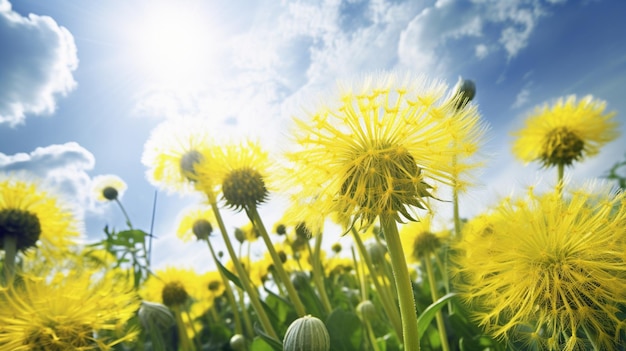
{"x":198,"y":222}
{"x":338,"y":265}
{"x":173,"y":287}
{"x":174,"y":151}
{"x":549,"y":271}
{"x":108,"y":187}
{"x":74,"y":312}
{"x":568,"y":131}
{"x":241,"y":170}
{"x":247,"y":233}
{"x":378,"y":149}
{"x":30,"y":215}
{"x":419,"y":240}
{"x":213,"y":283}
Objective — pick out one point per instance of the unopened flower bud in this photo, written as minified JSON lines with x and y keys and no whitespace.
{"x":377,"y":252}
{"x":307,"y":333}
{"x":465,"y":92}
{"x":237,"y":342}
{"x":366,"y":310}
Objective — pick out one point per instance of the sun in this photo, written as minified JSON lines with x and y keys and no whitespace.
{"x":173,"y":43}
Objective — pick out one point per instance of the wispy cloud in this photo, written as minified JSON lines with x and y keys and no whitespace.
{"x":36,"y":65}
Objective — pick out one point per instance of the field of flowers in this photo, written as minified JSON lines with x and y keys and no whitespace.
{"x":543,"y":271}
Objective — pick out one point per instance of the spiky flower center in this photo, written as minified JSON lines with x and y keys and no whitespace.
{"x":188,"y":162}
{"x":425,"y":244}
{"x":110,"y":193}
{"x":202,"y":229}
{"x":20,"y":224}
{"x":214,"y":286}
{"x":576,"y":289}
{"x":244,"y":187}
{"x":174,"y":294}
{"x":562,"y":147}
{"x":60,"y":338}
{"x":384,"y":180}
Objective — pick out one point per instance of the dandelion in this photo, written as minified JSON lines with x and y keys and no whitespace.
{"x":108,"y":187}
{"x":173,"y":151}
{"x":567,"y":132}
{"x":196,"y":222}
{"x":74,"y":312}
{"x":548,"y":271}
{"x":378,"y":150}
{"x":243,"y":171}
{"x":183,"y":292}
{"x":28,"y":216}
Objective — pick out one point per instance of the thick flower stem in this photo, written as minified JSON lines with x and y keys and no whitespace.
{"x":278,"y":264}
{"x":408,"y":311}
{"x":10,"y":252}
{"x":243,"y":276}
{"x":443,"y":335}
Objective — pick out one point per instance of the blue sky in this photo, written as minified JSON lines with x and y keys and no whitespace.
{"x":83,"y":83}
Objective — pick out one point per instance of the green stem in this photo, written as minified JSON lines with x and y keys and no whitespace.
{"x":243,"y":276}
{"x":10,"y":253}
{"x":371,"y":335}
{"x":388,"y":304}
{"x":443,"y":335}
{"x":560,"y":172}
{"x":408,"y":310}
{"x":229,"y":291}
{"x":182,"y":330}
{"x":128,"y":223}
{"x":318,"y":273}
{"x":278,"y":264}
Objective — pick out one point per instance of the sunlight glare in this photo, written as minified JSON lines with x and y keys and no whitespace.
{"x":172,"y":44}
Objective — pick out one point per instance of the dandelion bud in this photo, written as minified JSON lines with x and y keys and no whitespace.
{"x":202,"y":229}
{"x":237,"y":342}
{"x":155,"y":314}
{"x":110,"y":193}
{"x":336,"y":248}
{"x":465,"y":91}
{"x":240,"y":235}
{"x":281,"y":229}
{"x":299,"y":280}
{"x":22,"y":225}
{"x":377,"y":252}
{"x":366,"y":310}
{"x":307,"y":333}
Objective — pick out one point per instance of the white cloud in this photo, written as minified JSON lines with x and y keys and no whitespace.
{"x":35,"y":66}
{"x":481,"y":51}
{"x":522,"y":98}
{"x":63,"y":167}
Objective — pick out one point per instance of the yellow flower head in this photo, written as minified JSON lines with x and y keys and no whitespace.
{"x":198,"y":222}
{"x":568,"y":131}
{"x":31,"y":215}
{"x":173,"y":287}
{"x":73,"y":312}
{"x":174,"y":151}
{"x":213,"y":283}
{"x":241,"y":170}
{"x":547,"y":271}
{"x":379,"y":148}
{"x":418,"y":240}
{"x":108,"y":187}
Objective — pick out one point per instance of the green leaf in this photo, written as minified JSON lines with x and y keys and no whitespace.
{"x":275,"y":345}
{"x":259,"y":344}
{"x":429,"y":313}
{"x":233,"y":278}
{"x":345,"y":330}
